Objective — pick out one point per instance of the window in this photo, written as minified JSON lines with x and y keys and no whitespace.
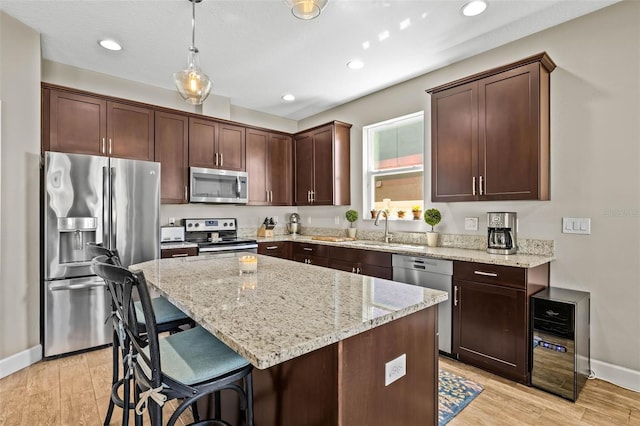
{"x":393,"y":165}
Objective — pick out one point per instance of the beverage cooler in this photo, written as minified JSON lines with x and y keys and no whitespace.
{"x":561,"y":360}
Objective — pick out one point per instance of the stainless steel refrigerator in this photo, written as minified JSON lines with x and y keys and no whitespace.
{"x":87,"y":198}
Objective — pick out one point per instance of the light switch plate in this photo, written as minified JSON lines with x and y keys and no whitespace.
{"x":471,"y":223}
{"x":395,"y":369}
{"x":576,"y":225}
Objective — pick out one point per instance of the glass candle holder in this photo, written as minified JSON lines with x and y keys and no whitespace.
{"x":247,"y":264}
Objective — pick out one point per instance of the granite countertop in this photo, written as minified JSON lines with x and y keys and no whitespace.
{"x":286,"y":308}
{"x":450,"y":253}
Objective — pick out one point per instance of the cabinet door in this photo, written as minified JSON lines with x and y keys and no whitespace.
{"x":489,"y":328}
{"x":78,"y":124}
{"x":303,"y":147}
{"x":345,"y":265}
{"x":454,"y":144}
{"x":323,"y":166}
{"x":231,"y":147}
{"x":257,"y":160}
{"x":279,"y":170}
{"x":281,"y":249}
{"x":172,"y":150}
{"x":509,"y":134}
{"x":130,"y":132}
{"x":203,"y":135}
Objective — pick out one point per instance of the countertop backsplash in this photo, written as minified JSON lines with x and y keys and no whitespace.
{"x":471,"y":242}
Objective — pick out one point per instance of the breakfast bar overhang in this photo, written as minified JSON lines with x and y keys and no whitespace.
{"x":321,"y":340}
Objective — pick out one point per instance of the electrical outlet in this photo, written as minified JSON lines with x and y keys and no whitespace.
{"x":395,"y":369}
{"x":471,"y":223}
{"x":172,"y":221}
{"x":337,"y":220}
{"x":309,"y":219}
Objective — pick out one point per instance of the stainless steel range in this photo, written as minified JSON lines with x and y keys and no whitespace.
{"x":217,"y":236}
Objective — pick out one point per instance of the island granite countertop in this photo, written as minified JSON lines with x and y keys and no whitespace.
{"x":450,"y":253}
{"x":285,"y":309}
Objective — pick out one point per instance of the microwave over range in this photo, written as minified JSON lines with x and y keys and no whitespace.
{"x":218,"y":186}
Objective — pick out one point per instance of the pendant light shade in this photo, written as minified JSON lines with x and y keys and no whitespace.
{"x":306,"y":9}
{"x":193,"y":85}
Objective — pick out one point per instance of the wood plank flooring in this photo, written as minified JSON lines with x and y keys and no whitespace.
{"x":74,"y":391}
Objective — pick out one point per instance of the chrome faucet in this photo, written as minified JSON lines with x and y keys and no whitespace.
{"x":387,"y":235}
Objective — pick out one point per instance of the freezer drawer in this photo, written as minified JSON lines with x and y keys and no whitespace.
{"x":75,"y":315}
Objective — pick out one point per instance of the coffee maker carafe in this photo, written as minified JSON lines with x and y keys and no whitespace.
{"x":501,"y":233}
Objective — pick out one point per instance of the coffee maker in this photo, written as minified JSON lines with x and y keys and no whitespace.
{"x":501,"y":233}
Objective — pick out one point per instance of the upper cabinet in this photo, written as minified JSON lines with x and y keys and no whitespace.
{"x":85,"y":124}
{"x":321,"y":163}
{"x":269,"y":160}
{"x":490,"y":134}
{"x":172,"y":152}
{"x":213,"y":144}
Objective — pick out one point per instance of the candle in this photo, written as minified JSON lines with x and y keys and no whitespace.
{"x":248,"y":264}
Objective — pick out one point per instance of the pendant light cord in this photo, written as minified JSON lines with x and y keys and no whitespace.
{"x":193,"y":25}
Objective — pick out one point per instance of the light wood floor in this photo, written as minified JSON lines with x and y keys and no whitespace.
{"x":75,"y":391}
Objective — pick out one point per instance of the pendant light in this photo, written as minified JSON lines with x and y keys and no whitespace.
{"x":193,"y":84}
{"x":306,"y":9}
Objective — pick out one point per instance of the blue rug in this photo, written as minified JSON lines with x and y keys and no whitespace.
{"x":454,"y":393}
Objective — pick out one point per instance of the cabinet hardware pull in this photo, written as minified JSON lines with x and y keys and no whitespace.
{"x":313,"y":196}
{"x":480,"y":185}
{"x":221,"y":160}
{"x":216,"y":158}
{"x":271,"y":196}
{"x":353,"y":269}
{"x":309,"y":197}
{"x":180,"y":255}
{"x":103,"y":147}
{"x":455,"y":295}
{"x":110,"y":146}
{"x":358,"y":270}
{"x":307,"y":249}
{"x":486,"y":274}
{"x":473,"y":186}
{"x":272,"y":247}
{"x":185,"y":193}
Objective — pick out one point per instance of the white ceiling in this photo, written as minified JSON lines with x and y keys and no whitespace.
{"x":255,"y":50}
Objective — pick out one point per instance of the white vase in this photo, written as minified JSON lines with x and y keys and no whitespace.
{"x":352,"y":232}
{"x":432,"y":239}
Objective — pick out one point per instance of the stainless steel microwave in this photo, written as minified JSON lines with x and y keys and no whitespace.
{"x":218,"y":186}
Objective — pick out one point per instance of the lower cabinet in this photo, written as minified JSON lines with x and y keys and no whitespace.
{"x":281,"y":249}
{"x":312,"y":254}
{"x":491,"y":316}
{"x":366,"y":262}
{"x":179,"y":252}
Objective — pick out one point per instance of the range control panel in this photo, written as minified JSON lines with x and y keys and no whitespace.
{"x":209,"y":225}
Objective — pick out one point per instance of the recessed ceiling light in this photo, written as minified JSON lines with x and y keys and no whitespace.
{"x":366,"y":45}
{"x":473,"y":8}
{"x":405,"y":24}
{"x":288,"y":97}
{"x":383,"y":35}
{"x":110,"y":44}
{"x":355,"y":64}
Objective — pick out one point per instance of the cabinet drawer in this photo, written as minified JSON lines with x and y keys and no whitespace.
{"x":275,"y":249}
{"x":310,"y":249}
{"x":370,"y":257}
{"x":490,"y":274}
{"x":178,"y":252}
{"x":311,"y":259}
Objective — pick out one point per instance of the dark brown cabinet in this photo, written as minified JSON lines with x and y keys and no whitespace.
{"x":321,"y":164}
{"x":269,"y":157}
{"x":491,"y":316}
{"x":85,"y":124}
{"x":366,"y":262}
{"x":312,"y":254}
{"x":172,"y":151}
{"x":281,"y":249}
{"x":490,"y":134}
{"x":217,"y":145}
{"x":178,"y":252}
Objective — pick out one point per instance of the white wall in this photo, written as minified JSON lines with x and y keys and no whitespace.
{"x":595,"y":95}
{"x":19,"y":189}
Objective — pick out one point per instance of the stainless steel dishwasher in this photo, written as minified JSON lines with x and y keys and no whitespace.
{"x":432,"y":273}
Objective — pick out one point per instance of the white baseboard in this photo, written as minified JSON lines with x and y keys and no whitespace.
{"x":621,"y":376}
{"x":20,"y":360}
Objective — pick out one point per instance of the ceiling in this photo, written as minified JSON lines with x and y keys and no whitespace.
{"x":255,"y":51}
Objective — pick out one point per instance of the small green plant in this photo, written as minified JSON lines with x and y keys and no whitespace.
{"x":351,"y":216}
{"x":432,"y":217}
{"x":416,"y":208}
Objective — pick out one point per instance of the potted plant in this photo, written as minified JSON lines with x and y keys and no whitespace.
{"x":374,"y":212}
{"x":432,"y":217}
{"x":400,"y":214}
{"x":351,"y":216}
{"x":417,"y":212}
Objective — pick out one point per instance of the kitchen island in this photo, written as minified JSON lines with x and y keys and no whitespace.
{"x":319,"y":338}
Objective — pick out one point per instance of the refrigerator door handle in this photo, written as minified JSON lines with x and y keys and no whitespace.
{"x":112,"y":194}
{"x":86,"y":285}
{"x":105,"y":205}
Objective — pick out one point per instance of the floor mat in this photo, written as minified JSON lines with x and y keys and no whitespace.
{"x":454,"y":393}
